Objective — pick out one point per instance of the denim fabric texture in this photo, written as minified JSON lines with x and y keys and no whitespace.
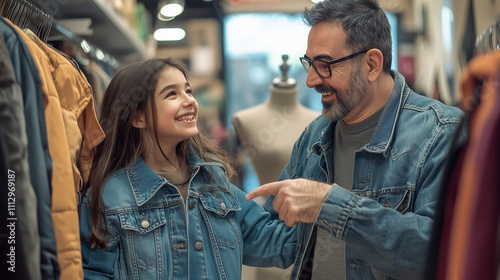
{"x":155,"y":235}
{"x":386,"y":221}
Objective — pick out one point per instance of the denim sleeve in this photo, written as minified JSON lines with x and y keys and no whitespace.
{"x":97,"y":263}
{"x":267,"y":241}
{"x":390,"y":241}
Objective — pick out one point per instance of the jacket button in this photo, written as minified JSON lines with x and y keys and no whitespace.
{"x":191,"y":205}
{"x":198,"y":245}
{"x":145,"y":224}
{"x":223,"y":206}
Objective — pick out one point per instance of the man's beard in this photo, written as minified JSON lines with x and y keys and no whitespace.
{"x":346,"y":100}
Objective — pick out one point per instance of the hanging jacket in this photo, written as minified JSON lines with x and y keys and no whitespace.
{"x":70,"y":117}
{"x":471,"y":200}
{"x":39,"y":159}
{"x":18,"y":194}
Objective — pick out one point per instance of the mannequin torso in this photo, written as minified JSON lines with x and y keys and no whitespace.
{"x":269,"y":130}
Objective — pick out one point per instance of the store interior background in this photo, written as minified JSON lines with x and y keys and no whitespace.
{"x":234,"y":48}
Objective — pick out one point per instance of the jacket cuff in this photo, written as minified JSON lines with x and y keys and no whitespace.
{"x":336,"y":210}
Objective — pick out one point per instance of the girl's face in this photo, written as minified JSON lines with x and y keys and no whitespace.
{"x":176,"y":108}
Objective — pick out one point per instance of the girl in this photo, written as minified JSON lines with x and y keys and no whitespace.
{"x":161,"y":205}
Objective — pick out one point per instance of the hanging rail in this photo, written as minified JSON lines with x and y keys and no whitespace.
{"x":26,"y":14}
{"x":488,"y":40}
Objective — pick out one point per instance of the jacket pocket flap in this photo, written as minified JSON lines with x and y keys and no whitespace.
{"x":399,"y":201}
{"x":219,"y":201}
{"x":143,"y":221}
{"x":397,"y":198}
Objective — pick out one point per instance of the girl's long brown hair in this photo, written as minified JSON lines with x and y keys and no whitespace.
{"x":129,"y":91}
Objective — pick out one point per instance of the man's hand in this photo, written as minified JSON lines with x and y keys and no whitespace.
{"x":297,"y":200}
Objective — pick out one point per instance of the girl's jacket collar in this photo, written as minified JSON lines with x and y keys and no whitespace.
{"x":144,"y":182}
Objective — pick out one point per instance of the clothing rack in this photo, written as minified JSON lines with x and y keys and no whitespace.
{"x":488,"y":40}
{"x":26,"y":14}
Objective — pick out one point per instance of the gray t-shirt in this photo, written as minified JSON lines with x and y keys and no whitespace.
{"x":329,"y":252}
{"x":180,"y":179}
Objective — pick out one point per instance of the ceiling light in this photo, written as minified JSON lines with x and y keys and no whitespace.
{"x":164,"y":18}
{"x":171,"y":8}
{"x":87,"y":48}
{"x":169,"y":34}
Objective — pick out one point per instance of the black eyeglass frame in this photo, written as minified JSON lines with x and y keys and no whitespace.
{"x":310,"y":62}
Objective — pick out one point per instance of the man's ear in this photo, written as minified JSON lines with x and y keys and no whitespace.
{"x":139,"y":120}
{"x":375,"y":62}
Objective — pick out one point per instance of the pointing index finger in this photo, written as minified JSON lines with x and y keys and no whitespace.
{"x":269,"y":188}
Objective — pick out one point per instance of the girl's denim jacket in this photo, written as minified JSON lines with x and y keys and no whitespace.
{"x":153,"y":234}
{"x":386,"y":221}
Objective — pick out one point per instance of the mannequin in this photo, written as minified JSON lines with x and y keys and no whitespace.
{"x":269,"y":130}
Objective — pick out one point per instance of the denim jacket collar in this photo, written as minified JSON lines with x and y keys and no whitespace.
{"x":144,"y":182}
{"x":384,"y":132}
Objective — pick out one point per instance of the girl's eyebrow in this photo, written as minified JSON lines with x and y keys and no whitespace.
{"x":172,"y":86}
{"x":166,"y":88}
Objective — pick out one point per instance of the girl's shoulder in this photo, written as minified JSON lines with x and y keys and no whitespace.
{"x":117,"y":192}
{"x":116,"y":178}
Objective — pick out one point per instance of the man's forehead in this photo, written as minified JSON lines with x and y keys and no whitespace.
{"x":326,"y":40}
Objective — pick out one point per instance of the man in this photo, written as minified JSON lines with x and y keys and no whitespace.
{"x":363,"y":178}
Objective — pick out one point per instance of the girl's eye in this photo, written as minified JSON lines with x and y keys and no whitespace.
{"x":172,"y":93}
{"x":189,"y":91}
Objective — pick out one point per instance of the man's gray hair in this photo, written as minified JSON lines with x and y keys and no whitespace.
{"x":364,"y":22}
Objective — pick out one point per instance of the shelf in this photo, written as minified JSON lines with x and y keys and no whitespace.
{"x":111,"y":33}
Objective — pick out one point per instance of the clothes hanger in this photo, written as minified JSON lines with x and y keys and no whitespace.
{"x":488,"y":40}
{"x":26,"y":14}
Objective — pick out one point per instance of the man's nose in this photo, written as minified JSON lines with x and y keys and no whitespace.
{"x":313,"y":79}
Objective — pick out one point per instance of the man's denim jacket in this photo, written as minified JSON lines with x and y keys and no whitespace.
{"x":386,"y":221}
{"x":155,"y":235}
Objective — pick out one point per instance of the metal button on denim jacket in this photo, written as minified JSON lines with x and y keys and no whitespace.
{"x":386,"y":220}
{"x":155,"y":235}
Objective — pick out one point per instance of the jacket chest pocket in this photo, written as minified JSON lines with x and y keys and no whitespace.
{"x":398,"y":199}
{"x":219,"y":211}
{"x":142,"y":232}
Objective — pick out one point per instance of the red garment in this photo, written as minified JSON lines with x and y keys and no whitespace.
{"x":468,"y":248}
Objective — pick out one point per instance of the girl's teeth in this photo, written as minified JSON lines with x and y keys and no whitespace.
{"x":186,"y":118}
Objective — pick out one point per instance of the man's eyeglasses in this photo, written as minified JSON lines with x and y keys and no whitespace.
{"x":323,"y":68}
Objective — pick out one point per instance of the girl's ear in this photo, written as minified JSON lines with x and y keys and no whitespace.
{"x":139,"y":120}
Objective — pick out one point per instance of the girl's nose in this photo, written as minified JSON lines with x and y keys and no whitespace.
{"x":189,"y":100}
